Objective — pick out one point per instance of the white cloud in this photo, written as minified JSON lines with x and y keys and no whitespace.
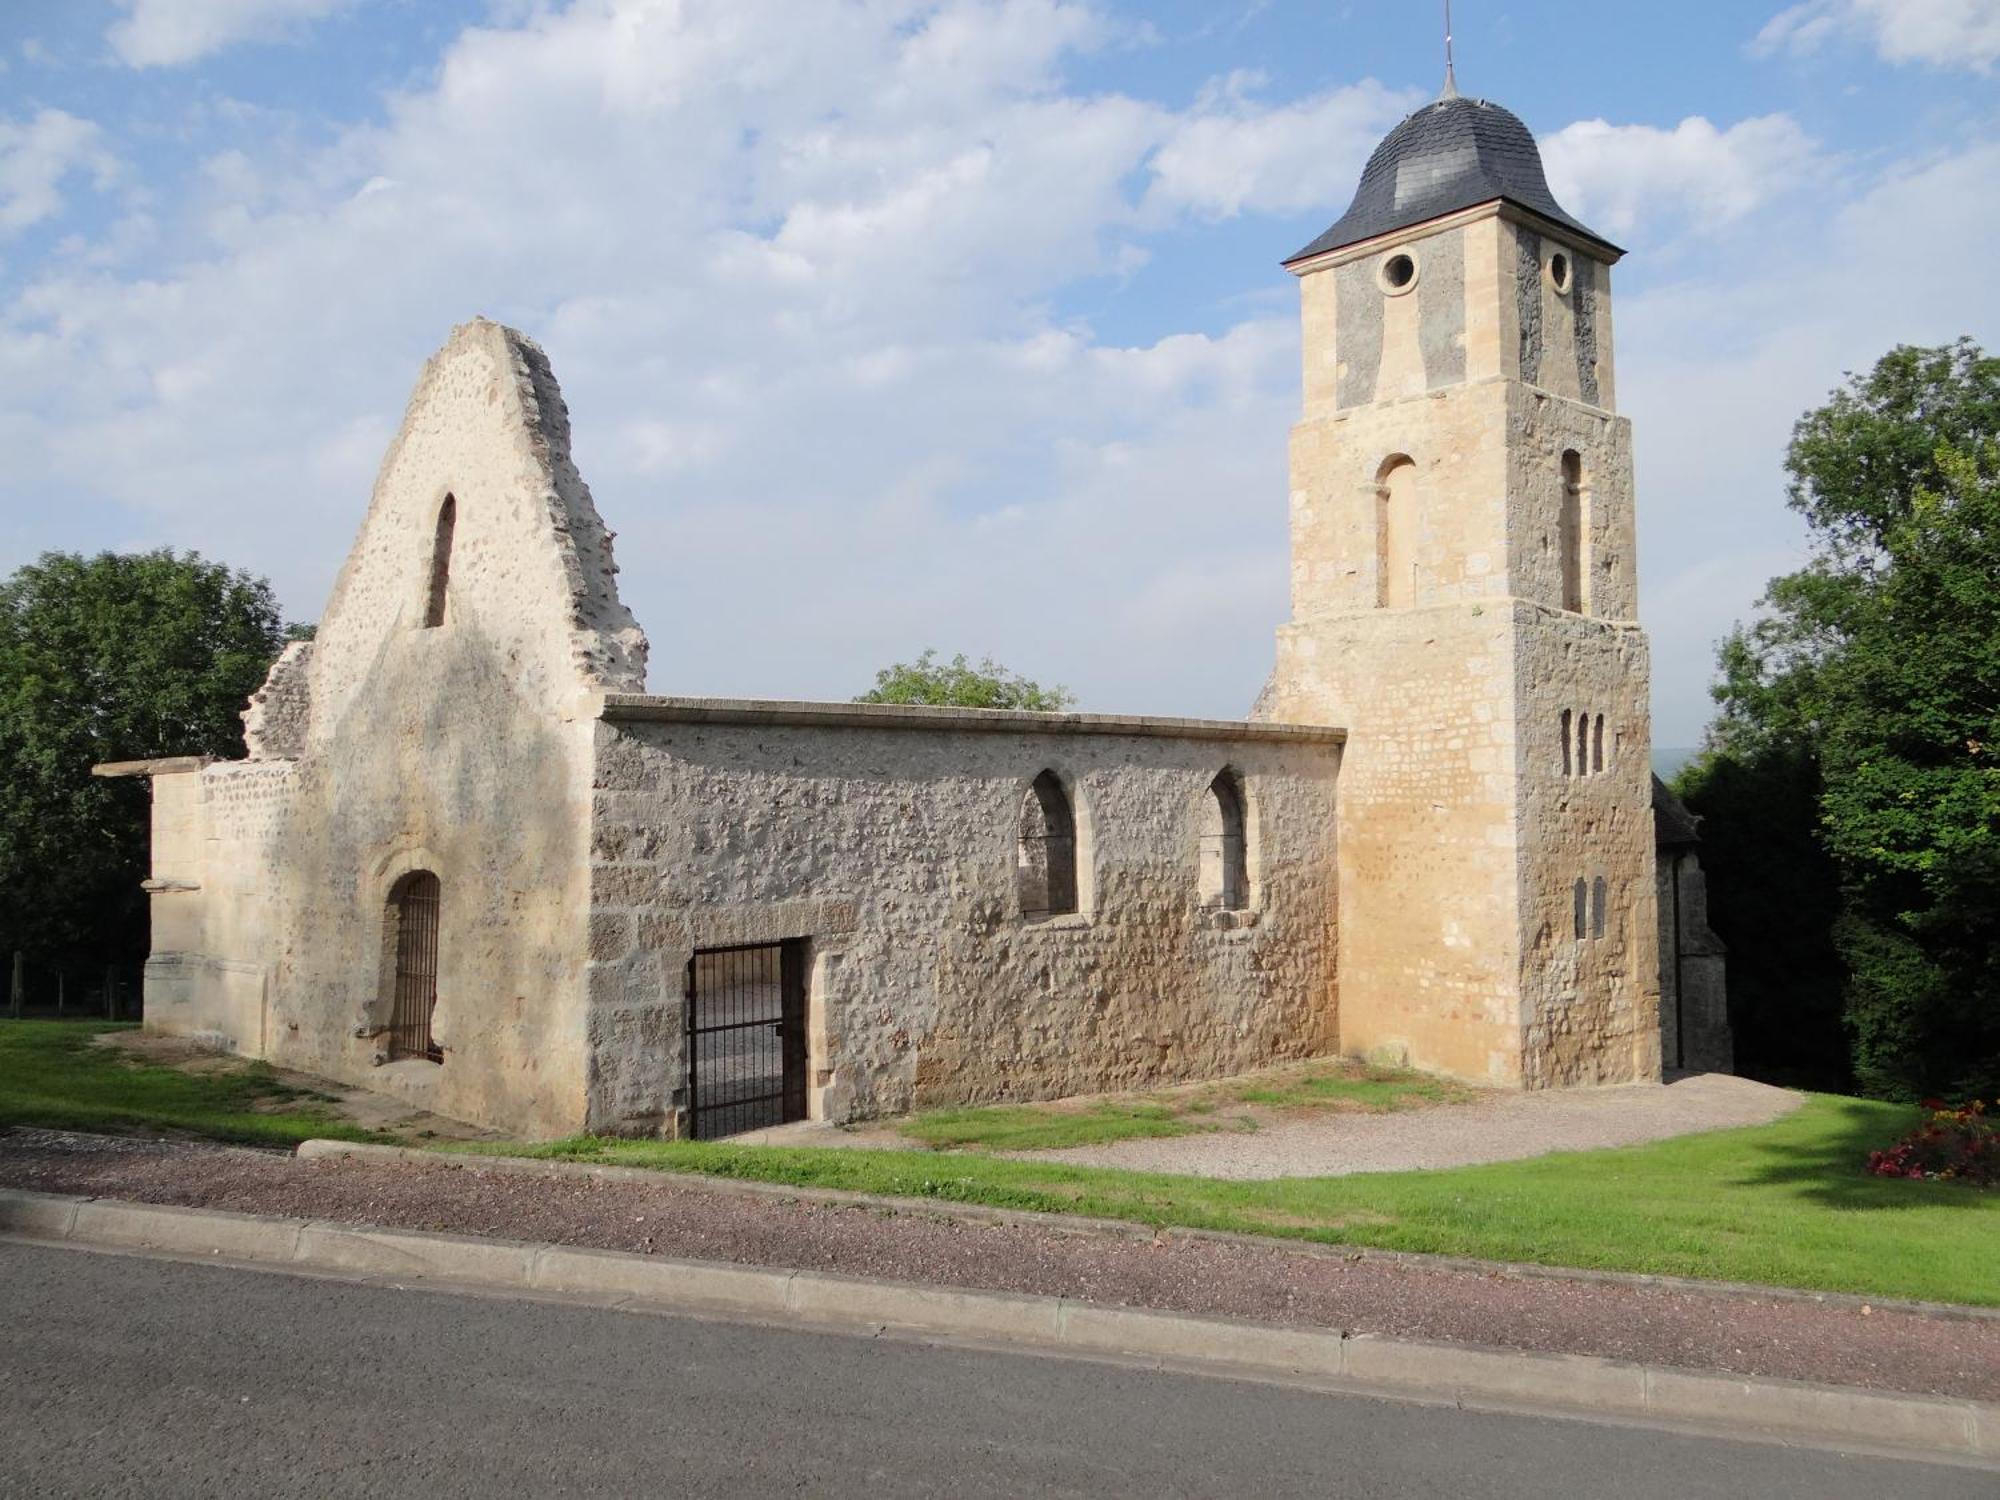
{"x":36,"y":156}
{"x":793,"y":266}
{"x":1233,"y":153}
{"x":168,"y":33}
{"x":796,"y":266}
{"x":1941,"y":33}
{"x":1715,"y":370}
{"x":1617,"y":178}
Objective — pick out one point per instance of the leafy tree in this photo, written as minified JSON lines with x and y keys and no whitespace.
{"x":1873,"y":689}
{"x":113,"y":657}
{"x":958,"y":684}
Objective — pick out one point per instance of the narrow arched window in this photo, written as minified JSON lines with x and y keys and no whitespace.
{"x":1395,"y":533}
{"x":1045,"y":865}
{"x":414,"y":905}
{"x":1575,"y":541}
{"x":1597,"y":743}
{"x":1581,"y":894}
{"x":440,"y":579}
{"x":1568,"y":762}
{"x":1583,"y":744}
{"x":1225,"y":869}
{"x":1597,"y":894}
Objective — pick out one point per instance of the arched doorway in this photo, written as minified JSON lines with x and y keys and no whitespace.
{"x":413,"y":909}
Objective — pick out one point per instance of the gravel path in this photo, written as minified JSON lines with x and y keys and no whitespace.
{"x":1784,"y":1337}
{"x":1495,"y":1127}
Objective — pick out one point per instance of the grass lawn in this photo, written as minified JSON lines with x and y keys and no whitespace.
{"x":1784,"y":1204}
{"x":52,"y":1074}
{"x":1231,"y":1104}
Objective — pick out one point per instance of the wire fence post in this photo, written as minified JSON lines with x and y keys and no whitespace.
{"x":62,"y":979}
{"x":20,"y":985}
{"x":110,"y":993}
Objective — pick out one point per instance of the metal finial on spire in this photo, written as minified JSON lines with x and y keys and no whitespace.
{"x":1450,"y":74}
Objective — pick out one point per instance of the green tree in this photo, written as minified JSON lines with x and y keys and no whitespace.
{"x":959,"y":684}
{"x":113,"y":657}
{"x":1872,"y":687}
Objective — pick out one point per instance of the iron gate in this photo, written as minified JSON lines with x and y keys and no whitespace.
{"x":746,"y":1038}
{"x":416,"y":907}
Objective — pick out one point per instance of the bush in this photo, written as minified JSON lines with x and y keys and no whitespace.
{"x":1952,"y":1145}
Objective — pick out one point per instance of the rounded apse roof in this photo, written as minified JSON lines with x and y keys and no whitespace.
{"x":1449,"y":155}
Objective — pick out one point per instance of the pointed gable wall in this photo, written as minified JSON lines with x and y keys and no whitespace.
{"x":530,"y":569}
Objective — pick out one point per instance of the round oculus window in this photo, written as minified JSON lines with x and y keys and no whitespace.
{"x":1399,"y":273}
{"x":1559,"y":271}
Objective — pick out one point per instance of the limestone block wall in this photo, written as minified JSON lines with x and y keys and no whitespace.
{"x":1482,"y":506}
{"x":887,"y":837}
{"x":200,"y":906}
{"x":1491,"y":293}
{"x":1590,"y":1002}
{"x":1539,"y":429}
{"x":1429,"y":847}
{"x":1454,"y":504}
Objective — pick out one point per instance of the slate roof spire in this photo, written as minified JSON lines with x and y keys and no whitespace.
{"x":1452,"y":154}
{"x":1450,"y":73}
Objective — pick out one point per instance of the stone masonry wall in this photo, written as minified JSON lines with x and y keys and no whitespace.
{"x":392,"y":745}
{"x":1460,"y":847}
{"x":893,"y":850}
{"x":1430,"y":946}
{"x":1591,"y":1003}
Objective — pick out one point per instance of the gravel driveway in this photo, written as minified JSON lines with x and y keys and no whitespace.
{"x":1495,"y":1127}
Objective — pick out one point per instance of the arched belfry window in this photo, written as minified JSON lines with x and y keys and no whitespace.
{"x":1225,"y":867}
{"x":1045,"y":865}
{"x":440,"y":577}
{"x":1597,"y":905}
{"x":1396,"y":533}
{"x":414,"y":903}
{"x":1574,"y":532}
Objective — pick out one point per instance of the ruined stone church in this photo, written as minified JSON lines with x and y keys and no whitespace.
{"x":470,"y":861}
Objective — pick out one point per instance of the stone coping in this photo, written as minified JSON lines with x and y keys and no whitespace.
{"x":770,"y":713}
{"x":169,"y":765}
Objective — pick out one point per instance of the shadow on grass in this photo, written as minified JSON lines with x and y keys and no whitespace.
{"x":1830,"y":1167}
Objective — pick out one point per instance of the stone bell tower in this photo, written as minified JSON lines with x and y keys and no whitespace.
{"x":1464,"y":602}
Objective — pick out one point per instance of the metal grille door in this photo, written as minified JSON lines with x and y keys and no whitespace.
{"x":416,"y":906}
{"x":746,"y":1038}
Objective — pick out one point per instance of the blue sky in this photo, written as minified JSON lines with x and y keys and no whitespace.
{"x":903,"y":323}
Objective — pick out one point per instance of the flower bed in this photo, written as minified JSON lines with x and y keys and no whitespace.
{"x":1952,"y":1145}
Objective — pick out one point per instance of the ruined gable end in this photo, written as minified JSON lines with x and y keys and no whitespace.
{"x":274,"y":723}
{"x":480,"y":528}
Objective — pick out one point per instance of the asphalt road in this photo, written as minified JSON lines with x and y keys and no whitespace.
{"x":131,"y":1376}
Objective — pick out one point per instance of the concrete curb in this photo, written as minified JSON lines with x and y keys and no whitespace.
{"x":1573,"y":1384}
{"x":979,"y":1213}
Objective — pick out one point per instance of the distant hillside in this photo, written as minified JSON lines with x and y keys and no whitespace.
{"x":1668,"y":762}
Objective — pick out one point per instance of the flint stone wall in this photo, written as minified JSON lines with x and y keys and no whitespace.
{"x":887,"y":837}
